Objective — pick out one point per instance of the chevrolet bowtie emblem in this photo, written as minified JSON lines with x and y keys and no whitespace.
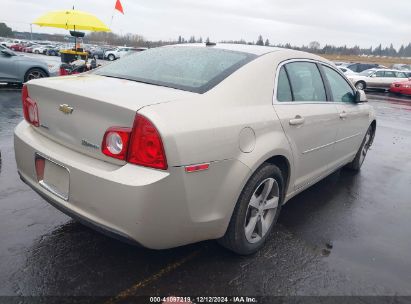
{"x":66,"y":109}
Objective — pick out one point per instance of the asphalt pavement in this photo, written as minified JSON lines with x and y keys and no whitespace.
{"x":347,"y":235}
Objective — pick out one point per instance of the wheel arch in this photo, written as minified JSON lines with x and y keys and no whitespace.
{"x":279,"y":159}
{"x":374,"y":129}
{"x":284,"y":165}
{"x":34,"y":67}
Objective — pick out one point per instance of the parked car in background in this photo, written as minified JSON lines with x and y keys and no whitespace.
{"x":401,"y":87}
{"x":340,"y":63}
{"x":27,"y":46}
{"x":401,"y":67}
{"x":10,"y":42}
{"x":346,"y":71}
{"x":98,"y":52}
{"x":360,"y":67}
{"x":30,"y":48}
{"x":120,"y":52}
{"x":17,"y":47}
{"x":19,"y":68}
{"x":120,"y":150}
{"x":377,"y":79}
{"x":53,"y":51}
{"x":42,"y":49}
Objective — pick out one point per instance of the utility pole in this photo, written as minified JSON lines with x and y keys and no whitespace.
{"x":31,"y":31}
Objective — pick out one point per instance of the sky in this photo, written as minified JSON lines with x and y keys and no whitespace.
{"x":346,"y":22}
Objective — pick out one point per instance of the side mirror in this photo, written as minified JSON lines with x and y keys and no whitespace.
{"x":373,"y":75}
{"x":8,"y":53}
{"x":360,"y":96}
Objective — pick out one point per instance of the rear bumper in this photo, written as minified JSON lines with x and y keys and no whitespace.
{"x":154,"y":208}
{"x":85,"y":221}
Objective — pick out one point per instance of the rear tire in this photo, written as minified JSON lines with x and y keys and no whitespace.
{"x":111,"y":57}
{"x":356,"y":164}
{"x":256,"y":211}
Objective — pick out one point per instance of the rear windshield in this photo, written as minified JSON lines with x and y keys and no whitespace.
{"x":194,"y":69}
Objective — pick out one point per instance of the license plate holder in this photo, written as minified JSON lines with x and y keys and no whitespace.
{"x":53,"y":177}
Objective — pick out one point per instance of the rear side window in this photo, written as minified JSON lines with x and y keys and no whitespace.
{"x":400,"y":75}
{"x":283,"y":87}
{"x":306,"y":81}
{"x":341,"y":91}
{"x":390,"y":74}
{"x":195,"y":69}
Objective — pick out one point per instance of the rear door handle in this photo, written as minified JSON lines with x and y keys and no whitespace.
{"x":298,"y":120}
{"x":343,"y":115}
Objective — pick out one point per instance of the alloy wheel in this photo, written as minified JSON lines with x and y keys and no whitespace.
{"x":261,"y":210}
{"x":35,"y":75}
{"x":359,"y":86}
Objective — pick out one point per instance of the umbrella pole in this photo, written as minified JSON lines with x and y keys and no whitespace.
{"x":75,"y":40}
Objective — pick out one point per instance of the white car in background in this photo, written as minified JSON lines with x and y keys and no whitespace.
{"x":185,"y":143}
{"x":41,"y":49}
{"x":121,"y":52}
{"x":377,"y":78}
{"x":347,"y":71}
{"x":10,"y":42}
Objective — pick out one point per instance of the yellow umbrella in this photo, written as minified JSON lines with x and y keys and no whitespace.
{"x":72,"y":20}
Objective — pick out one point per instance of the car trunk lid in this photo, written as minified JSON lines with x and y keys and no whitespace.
{"x":76,"y":111}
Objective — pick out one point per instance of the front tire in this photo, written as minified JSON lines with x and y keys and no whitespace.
{"x":111,"y":57}
{"x":360,"y":85}
{"x":34,"y":74}
{"x":356,"y":164}
{"x":256,"y":211}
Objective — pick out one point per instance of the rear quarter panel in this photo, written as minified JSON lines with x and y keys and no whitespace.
{"x":207,"y":128}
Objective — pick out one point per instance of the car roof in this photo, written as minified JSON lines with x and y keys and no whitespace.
{"x":258,"y":50}
{"x":246,"y":48}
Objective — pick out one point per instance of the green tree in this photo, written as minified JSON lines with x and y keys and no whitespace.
{"x":314,"y":45}
{"x":260,"y":40}
{"x":267,"y":42}
{"x":5,"y":31}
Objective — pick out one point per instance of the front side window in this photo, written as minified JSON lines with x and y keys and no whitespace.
{"x":306,"y":81}
{"x":400,"y":75}
{"x":379,"y":74}
{"x":353,"y":67}
{"x":341,"y":91}
{"x":283,"y":87}
{"x":367,"y":73}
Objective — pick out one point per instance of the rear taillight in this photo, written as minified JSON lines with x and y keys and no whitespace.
{"x":115,"y":142}
{"x":30,"y":110}
{"x":141,"y":145}
{"x":146,"y":147}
